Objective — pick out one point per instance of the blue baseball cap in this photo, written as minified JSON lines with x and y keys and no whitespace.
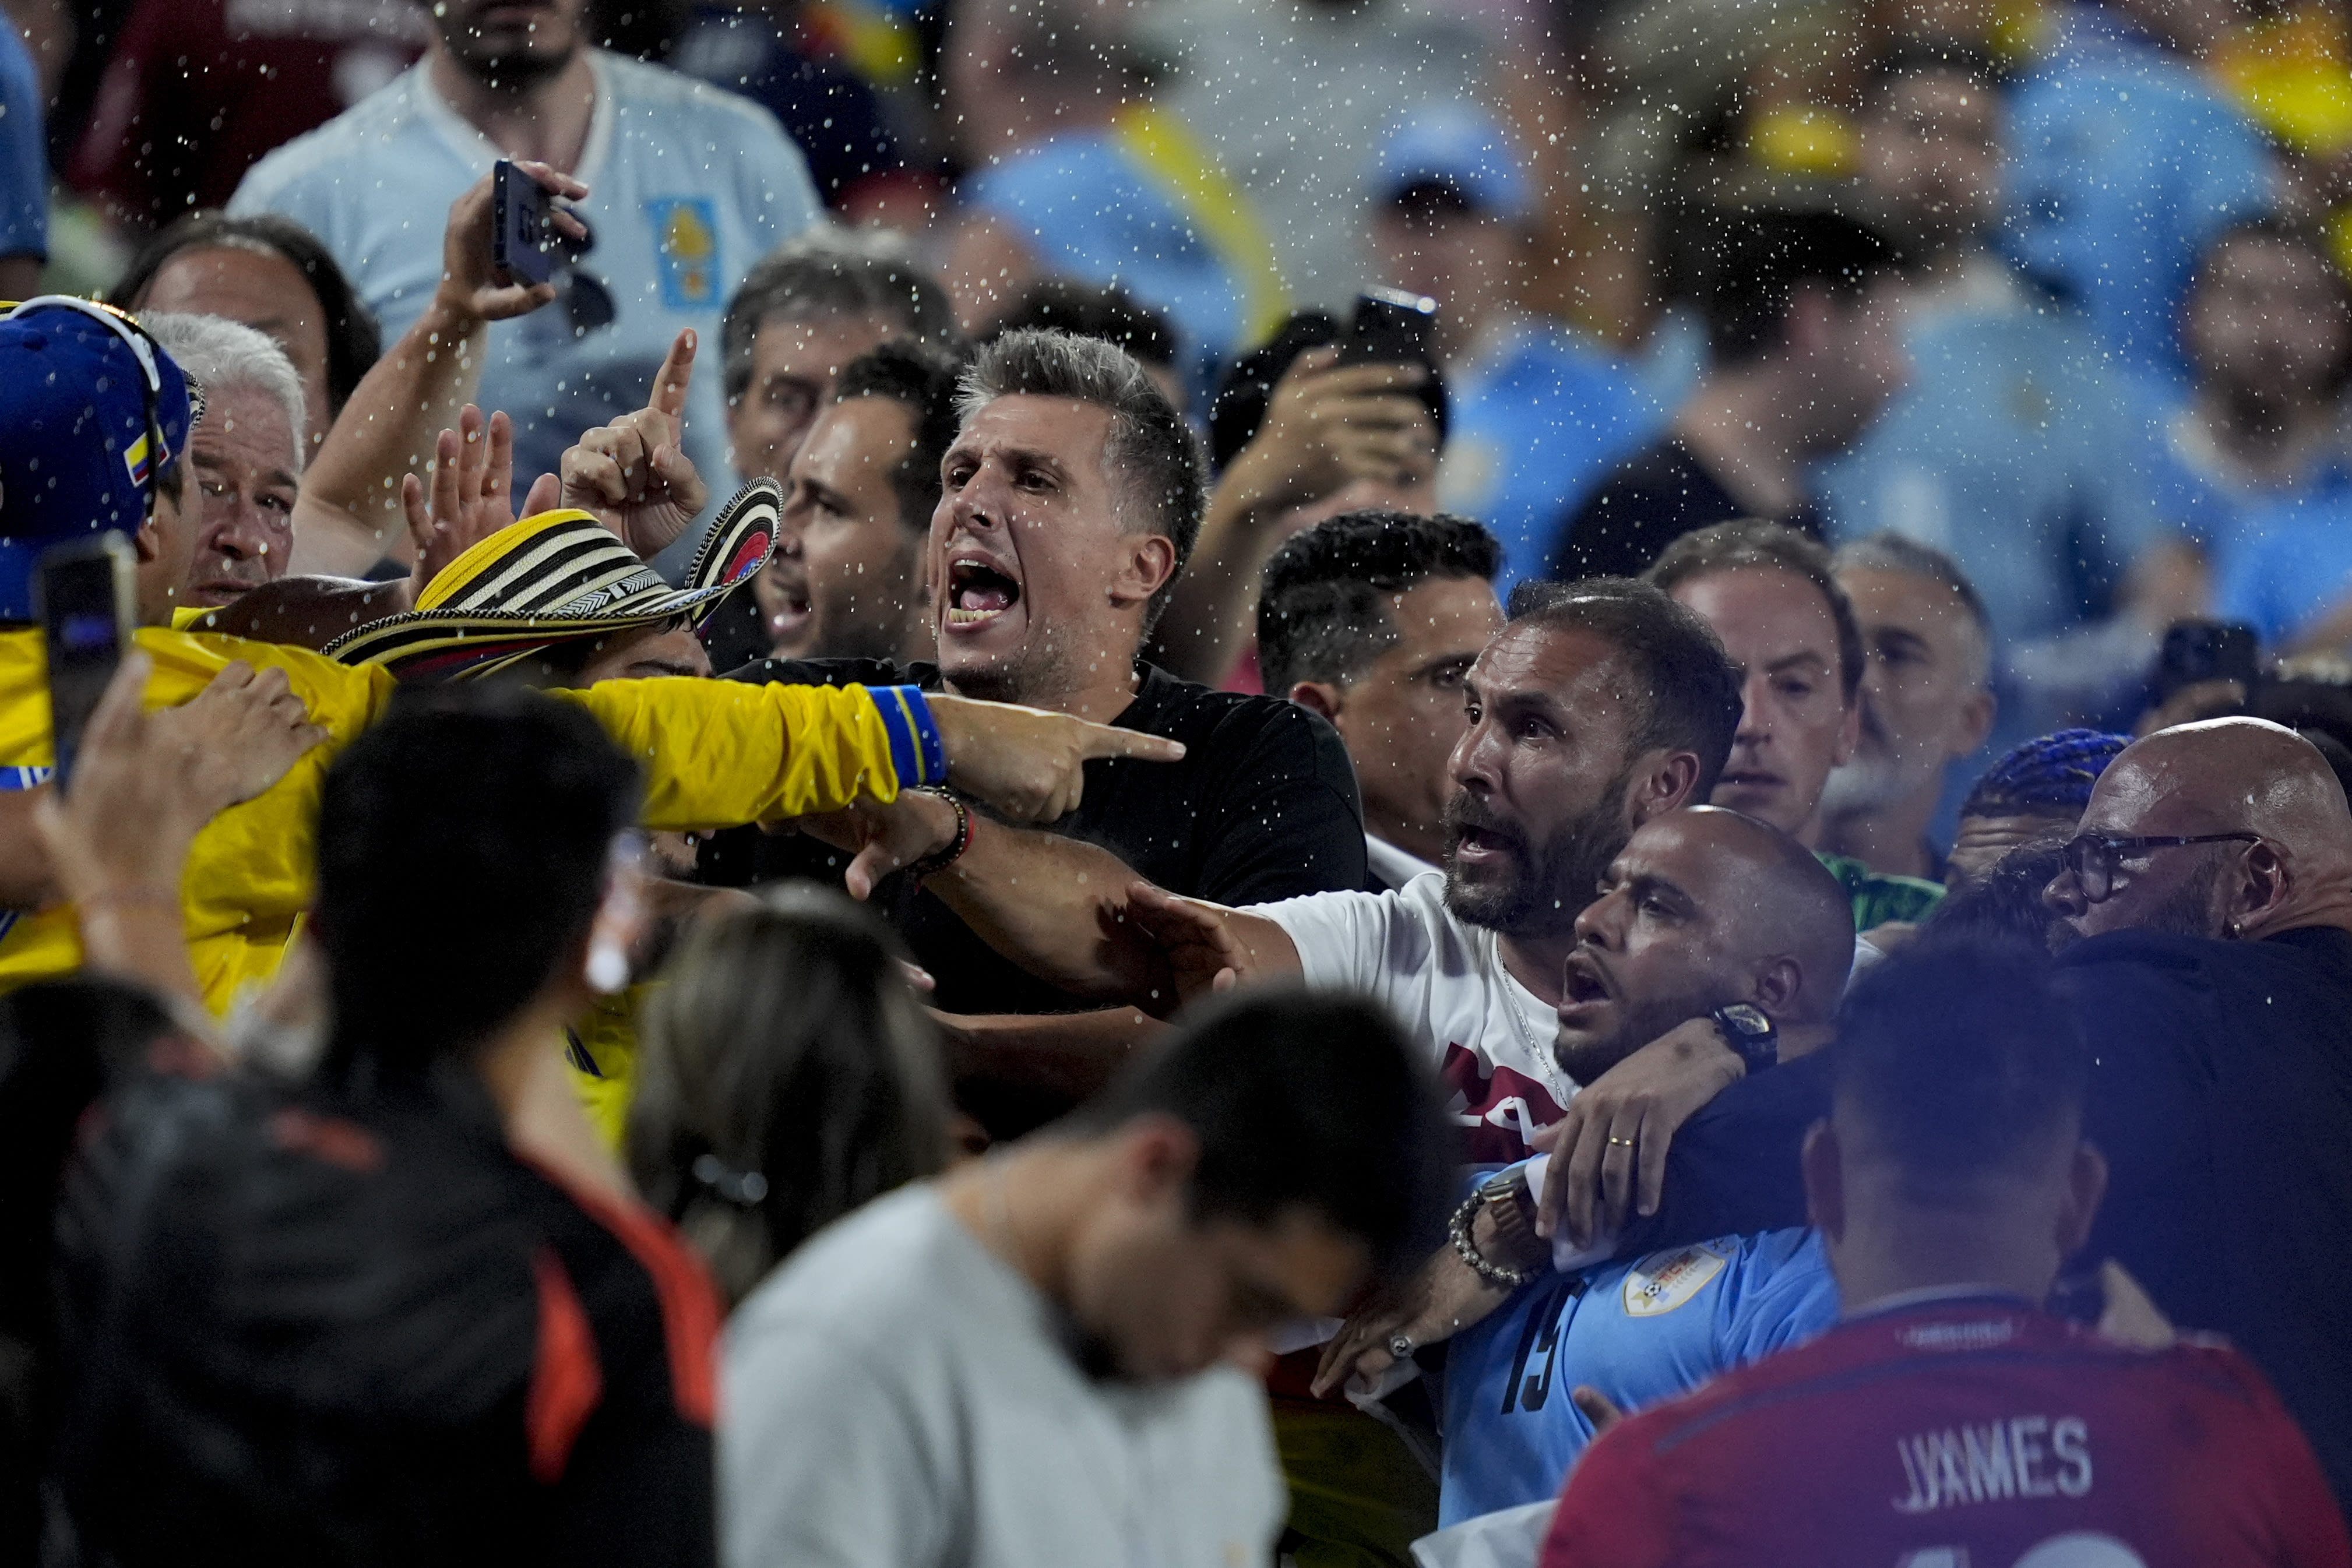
{"x":1456,"y":144}
{"x":91,"y":409}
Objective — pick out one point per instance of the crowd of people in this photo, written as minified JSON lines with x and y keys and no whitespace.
{"x":1315,"y":783}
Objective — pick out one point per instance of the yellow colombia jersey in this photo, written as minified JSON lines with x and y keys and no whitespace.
{"x":715,"y":753}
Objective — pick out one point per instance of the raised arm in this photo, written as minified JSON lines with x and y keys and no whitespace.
{"x":351,"y":514}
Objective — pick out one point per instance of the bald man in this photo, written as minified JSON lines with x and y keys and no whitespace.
{"x":2214,"y":981}
{"x":2211,"y":883}
{"x":1703,"y":909}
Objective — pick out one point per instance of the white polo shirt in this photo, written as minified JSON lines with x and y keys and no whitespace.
{"x":1488,"y":1036}
{"x":689,"y":186}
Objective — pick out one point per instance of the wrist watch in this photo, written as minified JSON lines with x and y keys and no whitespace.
{"x":1505,"y":1200}
{"x":1747,"y":1032}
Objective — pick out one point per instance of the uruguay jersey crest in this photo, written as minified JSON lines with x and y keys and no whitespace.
{"x":685,"y":251}
{"x":1664,"y":1280}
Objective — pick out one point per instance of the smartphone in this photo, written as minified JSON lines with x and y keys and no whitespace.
{"x":1391,"y":327}
{"x":89,"y":597}
{"x":523,"y":242}
{"x":2198,"y":651}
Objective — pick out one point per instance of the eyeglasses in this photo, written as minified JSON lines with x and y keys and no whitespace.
{"x":2093,"y":857}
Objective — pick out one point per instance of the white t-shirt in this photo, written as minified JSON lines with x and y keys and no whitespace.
{"x":1489,"y":1036}
{"x":689,"y":186}
{"x":897,"y":1395}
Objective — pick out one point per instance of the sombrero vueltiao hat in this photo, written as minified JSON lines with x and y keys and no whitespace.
{"x":552,"y":579}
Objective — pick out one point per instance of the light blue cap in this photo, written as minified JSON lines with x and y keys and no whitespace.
{"x":1457,"y":145}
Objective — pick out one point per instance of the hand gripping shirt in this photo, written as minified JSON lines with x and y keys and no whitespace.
{"x":1959,"y":1432}
{"x":714,"y":753}
{"x":1640,"y":1332}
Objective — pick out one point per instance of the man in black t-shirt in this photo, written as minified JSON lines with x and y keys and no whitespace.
{"x":1071,"y":496}
{"x":1802,"y":329}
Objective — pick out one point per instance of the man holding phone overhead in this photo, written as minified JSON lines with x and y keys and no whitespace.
{"x":94,"y":420}
{"x":689,"y":186}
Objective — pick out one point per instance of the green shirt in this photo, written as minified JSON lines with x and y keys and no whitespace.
{"x":1879,"y":898}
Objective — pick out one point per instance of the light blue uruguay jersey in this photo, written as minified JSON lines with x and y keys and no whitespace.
{"x":1638,"y":1332}
{"x":687,"y":187}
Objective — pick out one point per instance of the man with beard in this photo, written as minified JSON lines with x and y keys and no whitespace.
{"x":1704,"y":909}
{"x":2211,"y":882}
{"x":1927,"y":703}
{"x":846,"y":580}
{"x":688,"y":185}
{"x":1597,"y":708}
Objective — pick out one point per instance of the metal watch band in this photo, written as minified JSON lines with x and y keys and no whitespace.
{"x":1494,"y":1273}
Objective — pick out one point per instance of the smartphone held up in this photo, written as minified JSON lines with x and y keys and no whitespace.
{"x":88,"y":599}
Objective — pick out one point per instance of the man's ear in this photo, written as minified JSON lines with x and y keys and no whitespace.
{"x":147,"y":543}
{"x":1149,"y":561}
{"x":1976,"y":714}
{"x":1320,"y":696}
{"x":2086,"y":1185}
{"x":1157,"y":1157}
{"x":1824,"y":1180}
{"x":1662,"y":781}
{"x":1775,"y":985}
{"x":2258,"y":889}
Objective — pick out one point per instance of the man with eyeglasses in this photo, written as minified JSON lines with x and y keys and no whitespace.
{"x":2211,"y":883}
{"x":689,"y":186}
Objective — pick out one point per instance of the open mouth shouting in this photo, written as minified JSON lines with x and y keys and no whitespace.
{"x":1585,"y":988}
{"x":980,"y":592}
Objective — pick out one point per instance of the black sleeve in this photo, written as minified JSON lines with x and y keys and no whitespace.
{"x":1735,"y":1168}
{"x":1282,"y":817}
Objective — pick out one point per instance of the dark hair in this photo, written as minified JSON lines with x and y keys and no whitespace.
{"x":1323,"y":602}
{"x":1889,"y":552}
{"x":1690,"y":693}
{"x":2049,"y":775}
{"x":463,"y":845}
{"x":1745,"y":270}
{"x":1914,"y":58}
{"x":1247,"y":389}
{"x":1964,"y":1059}
{"x":1104,"y":310}
{"x":784,"y":1044}
{"x":353,"y":340}
{"x":1151,"y":454}
{"x":1751,"y":542}
{"x":832,"y":273}
{"x":921,"y":379}
{"x":2005,"y":903}
{"x":1299,"y":1098}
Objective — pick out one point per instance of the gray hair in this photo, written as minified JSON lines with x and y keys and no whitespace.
{"x":834,"y":272}
{"x":1153,"y":459}
{"x":220,"y":353}
{"x":1901,"y":554}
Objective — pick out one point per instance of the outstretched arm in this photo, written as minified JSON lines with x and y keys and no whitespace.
{"x":1071,"y":913}
{"x":350,"y":514}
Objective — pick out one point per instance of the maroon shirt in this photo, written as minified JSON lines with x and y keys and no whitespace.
{"x":199,"y":90}
{"x":1961,"y":1433}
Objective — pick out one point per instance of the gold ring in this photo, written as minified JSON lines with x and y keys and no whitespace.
{"x":1622,"y":1143}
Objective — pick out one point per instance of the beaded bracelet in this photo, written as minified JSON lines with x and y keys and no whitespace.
{"x":940,"y":860}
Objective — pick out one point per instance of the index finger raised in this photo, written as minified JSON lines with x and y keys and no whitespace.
{"x":675,"y":373}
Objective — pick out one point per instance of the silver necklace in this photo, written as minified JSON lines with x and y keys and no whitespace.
{"x":1556,"y":1081}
